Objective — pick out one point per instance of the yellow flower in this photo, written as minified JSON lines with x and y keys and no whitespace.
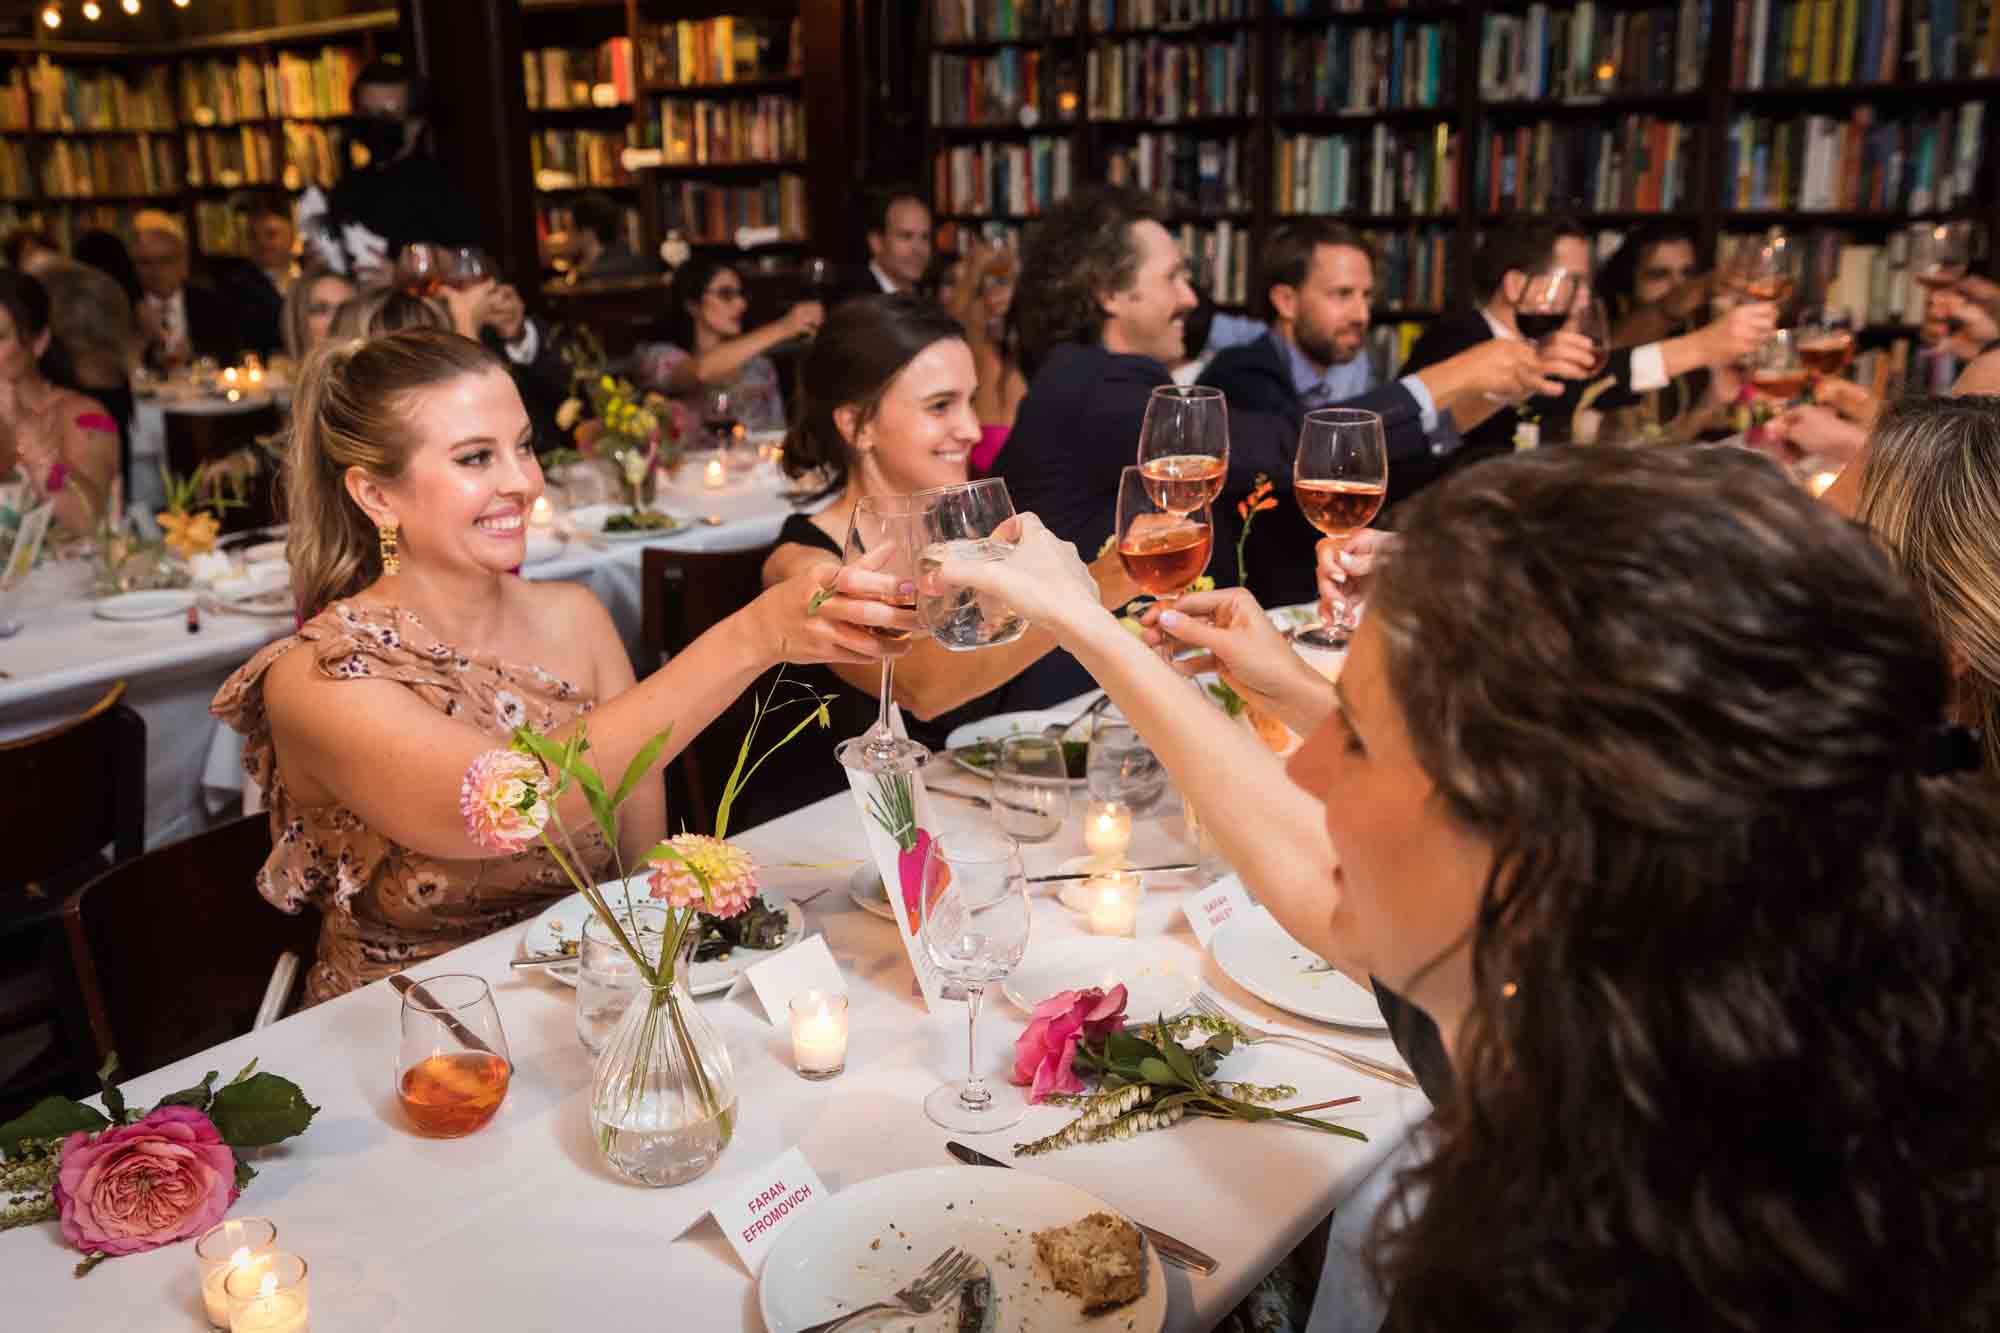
{"x":189,"y":534}
{"x":606,"y":383}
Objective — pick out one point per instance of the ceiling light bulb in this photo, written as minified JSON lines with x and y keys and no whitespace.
{"x":91,"y":10}
{"x":129,"y":6}
{"x":180,"y":4}
{"x":51,"y":16}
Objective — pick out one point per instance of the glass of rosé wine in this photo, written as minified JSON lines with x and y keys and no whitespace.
{"x":453,"y":1068}
{"x":1184,"y":446}
{"x":1163,"y":550}
{"x":1339,"y":477}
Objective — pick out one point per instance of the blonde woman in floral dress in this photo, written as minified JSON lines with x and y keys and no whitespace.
{"x":410,"y":474}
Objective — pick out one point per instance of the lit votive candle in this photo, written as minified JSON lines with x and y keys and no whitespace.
{"x":230,"y":376}
{"x":255,"y":375}
{"x":1114,"y":908}
{"x":542,"y":513}
{"x":1107,"y":830}
{"x":714,"y":476}
{"x":819,"y":1034}
{"x":225,"y":1247}
{"x":268,"y":1295}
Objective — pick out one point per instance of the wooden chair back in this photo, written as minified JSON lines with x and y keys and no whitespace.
{"x":173,"y":951}
{"x":72,"y":791}
{"x":683,"y":594}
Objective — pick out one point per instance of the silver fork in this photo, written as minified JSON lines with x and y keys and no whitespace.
{"x":920,"y":1297}
{"x":1254,"y":1036}
{"x":1056,"y":731}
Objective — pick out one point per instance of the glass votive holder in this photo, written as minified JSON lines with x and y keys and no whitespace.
{"x":1114,"y":903}
{"x":819,"y":1034}
{"x":224,"y":1247}
{"x":606,"y":977}
{"x":268,"y":1295}
{"x":1107,"y":831}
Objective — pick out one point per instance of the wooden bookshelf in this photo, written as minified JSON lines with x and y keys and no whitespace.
{"x":1692,"y":84}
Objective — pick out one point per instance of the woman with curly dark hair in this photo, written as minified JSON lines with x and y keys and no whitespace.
{"x":1627,"y":784}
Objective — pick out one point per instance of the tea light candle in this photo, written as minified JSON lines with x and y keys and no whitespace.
{"x":713,"y":476}
{"x":819,"y":1034}
{"x":255,"y":375}
{"x":541,"y":514}
{"x":1107,"y":830}
{"x":230,"y":376}
{"x":268,"y":1295}
{"x":1115,"y":908}
{"x":225,"y":1247}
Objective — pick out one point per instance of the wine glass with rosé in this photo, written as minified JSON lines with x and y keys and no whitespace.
{"x":1184,"y":446}
{"x":1163,"y":551}
{"x":1826,"y":340}
{"x":453,"y":1068}
{"x":1340,"y":477}
{"x":1778,"y":369}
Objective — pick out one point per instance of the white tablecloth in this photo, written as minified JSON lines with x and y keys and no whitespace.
{"x":520,"y":1226}
{"x":64,"y":657}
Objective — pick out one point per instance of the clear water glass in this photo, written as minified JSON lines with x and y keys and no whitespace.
{"x":606,"y":976}
{"x":1122,"y":769}
{"x":974,"y":927}
{"x":959,"y":523}
{"x":1030,"y":788}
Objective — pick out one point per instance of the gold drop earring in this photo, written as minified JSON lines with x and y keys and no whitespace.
{"x":391,"y":562}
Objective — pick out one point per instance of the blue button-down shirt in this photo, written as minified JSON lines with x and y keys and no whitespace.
{"x":1336,"y":384}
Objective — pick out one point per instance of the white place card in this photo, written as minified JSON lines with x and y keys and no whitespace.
{"x":759,"y":1205}
{"x":1207,"y":908}
{"x":895,"y":814}
{"x":807,"y":965}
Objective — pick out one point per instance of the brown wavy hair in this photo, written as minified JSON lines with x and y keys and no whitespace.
{"x":1081,"y":249}
{"x":350,"y":408}
{"x":1747,"y":1074}
{"x":1930,"y":488}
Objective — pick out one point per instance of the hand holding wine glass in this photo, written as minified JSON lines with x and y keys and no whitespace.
{"x":1184,"y":446}
{"x":1039,"y":575}
{"x":883,"y":534}
{"x":1340,"y":476}
{"x":973,"y":921}
{"x":1163,"y":550}
{"x":1590,"y":322}
{"x":1546,"y":299}
{"x":963,"y":525}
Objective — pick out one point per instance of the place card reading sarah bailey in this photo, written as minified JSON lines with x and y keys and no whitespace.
{"x":1207,"y":909}
{"x":756,"y":1207}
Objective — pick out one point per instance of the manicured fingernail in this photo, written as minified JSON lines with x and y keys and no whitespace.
{"x":1172,"y":620}
{"x":906,"y":589}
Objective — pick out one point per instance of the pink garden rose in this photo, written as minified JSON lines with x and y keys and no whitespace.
{"x":1046,"y":1050}
{"x":166,"y":1178}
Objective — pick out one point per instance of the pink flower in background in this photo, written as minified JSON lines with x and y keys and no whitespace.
{"x":1047,"y":1048}
{"x":144,"y":1185}
{"x":731,"y":875}
{"x":502,"y":800}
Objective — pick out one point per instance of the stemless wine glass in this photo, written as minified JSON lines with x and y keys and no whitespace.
{"x":1122,"y":770}
{"x":885,"y":522}
{"x":974,"y":916}
{"x":1184,"y":446}
{"x":452,"y":1068}
{"x":420,"y":269}
{"x":1030,"y":788}
{"x":959,"y":523}
{"x":1339,"y":476}
{"x":1163,"y":550}
{"x":466,"y":266}
{"x":1777,"y":371}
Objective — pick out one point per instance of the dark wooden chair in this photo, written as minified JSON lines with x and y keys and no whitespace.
{"x":173,"y":952}
{"x":72,"y":791}
{"x":682,"y":594}
{"x":193,"y":440}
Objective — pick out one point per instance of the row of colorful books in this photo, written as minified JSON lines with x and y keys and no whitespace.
{"x":1205,"y":175}
{"x":760,"y":129}
{"x":1156,"y":78}
{"x":709,"y":213}
{"x":65,"y":223}
{"x":1829,"y":43}
{"x":1401,"y":64}
{"x":1413,"y":268}
{"x":558,"y":217}
{"x":1593,"y":49}
{"x":557,"y":78}
{"x":1380,"y":169}
{"x":81,"y":168}
{"x":1014,"y":179}
{"x":1220,"y":256}
{"x":1139,"y":15}
{"x":567,"y":159}
{"x":307,"y":86}
{"x":99,"y":99}
{"x":993,"y":89}
{"x":718,"y":50}
{"x":1871,"y":161}
{"x":1000,"y":20}
{"x":1631,"y":164}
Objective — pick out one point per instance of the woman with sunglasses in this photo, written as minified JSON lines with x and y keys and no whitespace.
{"x":710,"y":351}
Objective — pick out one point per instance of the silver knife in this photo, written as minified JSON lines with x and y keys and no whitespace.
{"x":1176,"y":1252}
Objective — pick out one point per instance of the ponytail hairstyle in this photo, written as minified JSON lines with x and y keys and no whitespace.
{"x":857,"y":354}
{"x":390,"y":310}
{"x":350,"y":408}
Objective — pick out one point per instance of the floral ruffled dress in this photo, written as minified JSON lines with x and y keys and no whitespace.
{"x":385,"y":907}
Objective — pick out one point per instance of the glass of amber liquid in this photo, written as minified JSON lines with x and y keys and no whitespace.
{"x":452,"y":1069}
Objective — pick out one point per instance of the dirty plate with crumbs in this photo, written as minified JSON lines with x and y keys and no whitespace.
{"x":872,"y":1238}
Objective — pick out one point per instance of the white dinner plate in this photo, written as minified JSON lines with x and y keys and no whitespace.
{"x":1002,"y":725}
{"x":144,"y":605}
{"x":864,"y":886}
{"x":1254,"y":951}
{"x":873,"y":1237}
{"x":591,"y":519}
{"x":563,"y":922}
{"x":263,"y":590}
{"x":1156,"y":981}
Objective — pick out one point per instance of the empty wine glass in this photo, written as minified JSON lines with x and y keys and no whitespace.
{"x":885,"y":522}
{"x":1184,"y":446}
{"x":959,"y":523}
{"x":1163,"y":550}
{"x":1122,"y":770}
{"x":975,"y":918}
{"x":452,"y":1068}
{"x":1339,"y":477}
{"x":1030,"y":788}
